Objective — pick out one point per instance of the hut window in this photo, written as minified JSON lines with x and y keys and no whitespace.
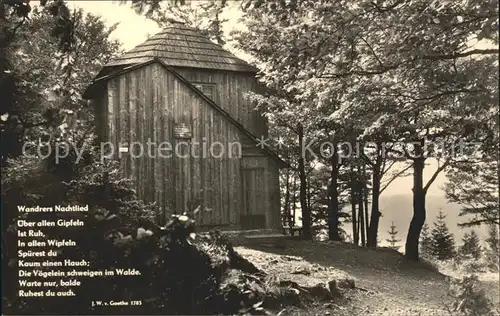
{"x":208,"y":89}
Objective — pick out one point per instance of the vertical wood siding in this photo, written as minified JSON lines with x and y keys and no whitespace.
{"x":274,"y":195}
{"x":262,"y":188}
{"x":230,"y":88}
{"x":141,"y":108}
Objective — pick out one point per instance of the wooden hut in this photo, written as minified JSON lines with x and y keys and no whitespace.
{"x":183,"y":93}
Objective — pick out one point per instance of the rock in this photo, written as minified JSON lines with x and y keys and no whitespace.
{"x":289,"y":283}
{"x":292,"y":258}
{"x":334,"y":290}
{"x":303,"y":271}
{"x":320,"y":291}
{"x":346,"y":283}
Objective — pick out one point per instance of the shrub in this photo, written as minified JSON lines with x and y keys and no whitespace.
{"x":492,"y":251}
{"x":425,"y":242}
{"x":468,"y":297}
{"x":471,"y":246}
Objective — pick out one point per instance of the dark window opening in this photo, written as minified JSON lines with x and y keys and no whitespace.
{"x":208,"y":89}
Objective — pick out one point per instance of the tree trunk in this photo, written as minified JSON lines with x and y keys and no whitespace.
{"x":333,"y":205}
{"x":306,"y":212}
{"x":354,"y":216}
{"x":309,"y":195}
{"x":365,"y":199}
{"x":361,"y":214}
{"x":218,"y":30}
{"x":375,"y":213}
{"x":286,"y":206}
{"x":294,"y":200}
{"x":418,"y":220}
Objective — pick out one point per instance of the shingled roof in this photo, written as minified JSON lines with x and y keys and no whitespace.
{"x":181,"y":46}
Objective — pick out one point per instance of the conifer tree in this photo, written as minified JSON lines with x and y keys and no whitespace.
{"x":425,"y":241}
{"x":493,"y":239}
{"x":393,"y":240}
{"x":493,"y":248}
{"x":442,"y":241}
{"x":471,"y":246}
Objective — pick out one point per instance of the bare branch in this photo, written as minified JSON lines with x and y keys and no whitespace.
{"x":435,"y":57}
{"x":461,"y":55}
{"x":385,"y":168}
{"x":394,"y":177}
{"x":373,"y":52}
{"x":436,"y":173}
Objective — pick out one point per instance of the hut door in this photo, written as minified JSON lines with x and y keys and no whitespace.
{"x":253,"y":214}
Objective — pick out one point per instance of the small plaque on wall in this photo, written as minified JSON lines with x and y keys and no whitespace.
{"x":182,"y":131}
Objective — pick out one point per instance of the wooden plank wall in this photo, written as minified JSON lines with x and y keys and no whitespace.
{"x":265,"y":183}
{"x":274,"y":195}
{"x":229,"y":95}
{"x":99,"y":105}
{"x":143,"y":105}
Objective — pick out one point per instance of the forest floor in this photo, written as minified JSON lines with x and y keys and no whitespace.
{"x":385,"y":283}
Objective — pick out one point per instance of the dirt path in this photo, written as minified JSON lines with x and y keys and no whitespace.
{"x":387,"y":283}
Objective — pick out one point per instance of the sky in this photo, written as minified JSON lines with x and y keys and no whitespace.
{"x":134,"y":29}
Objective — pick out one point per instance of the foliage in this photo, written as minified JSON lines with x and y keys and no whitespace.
{"x":206,"y":16}
{"x":17,"y":12}
{"x":471,"y":246}
{"x":149,"y":7}
{"x":442,"y":242}
{"x":298,"y":107}
{"x":492,"y":252}
{"x":13,"y":15}
{"x":65,"y":74}
{"x":392,"y":71}
{"x":475,"y":186}
{"x":471,"y":256}
{"x":469,"y":298}
{"x":425,"y":241}
{"x":46,"y":82}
